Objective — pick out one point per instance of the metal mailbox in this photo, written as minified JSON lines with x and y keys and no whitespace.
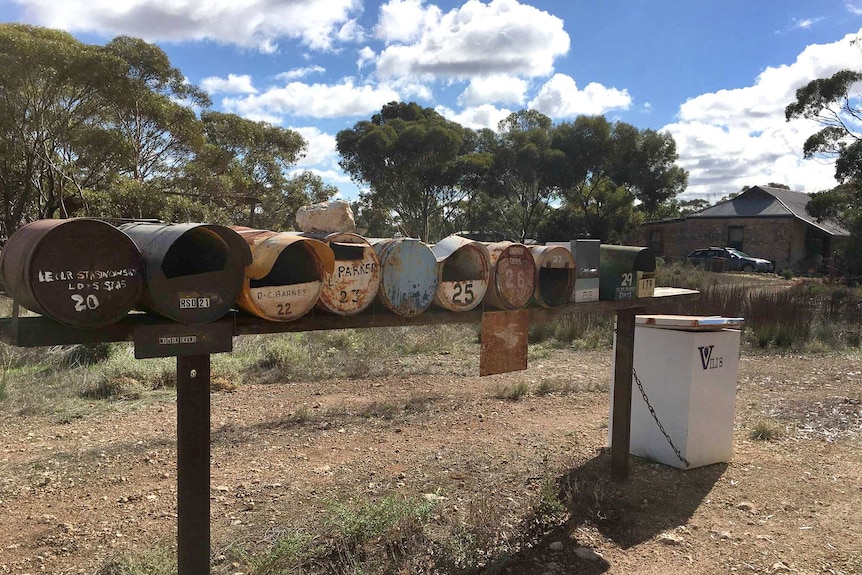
{"x":463,"y":270}
{"x":286,"y":273}
{"x":628,"y":272}
{"x":587,"y":259}
{"x":194,"y":272}
{"x":408,"y":275}
{"x":513,"y":275}
{"x":555,"y":275}
{"x":351,"y":286}
{"x":80,"y":272}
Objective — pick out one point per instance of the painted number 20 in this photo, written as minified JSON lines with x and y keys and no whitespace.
{"x":82,"y":304}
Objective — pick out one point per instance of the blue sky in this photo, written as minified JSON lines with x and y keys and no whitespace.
{"x":715,"y":74}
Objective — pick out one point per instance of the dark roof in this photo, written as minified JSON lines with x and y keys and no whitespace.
{"x":763,"y":201}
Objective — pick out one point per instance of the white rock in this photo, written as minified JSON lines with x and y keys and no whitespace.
{"x":587,"y":553}
{"x":556,"y":546}
{"x":335,"y":216}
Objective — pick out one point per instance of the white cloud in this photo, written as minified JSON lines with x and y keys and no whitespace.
{"x":321,"y":150}
{"x":500,"y":89}
{"x":853,"y":8}
{"x":233,"y":84}
{"x":250,"y":23}
{"x":405,"y":20}
{"x":560,"y":97}
{"x":366,"y":55}
{"x":501,"y":37}
{"x":312,"y":101}
{"x":476,"y":118}
{"x":804,"y":23}
{"x":301,"y":72}
{"x":731,"y":138}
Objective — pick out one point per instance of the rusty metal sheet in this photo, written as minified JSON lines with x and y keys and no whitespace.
{"x":408,"y":275}
{"x":504,"y":341}
{"x":80,"y":272}
{"x":555,"y":275}
{"x":463,"y":272}
{"x":513,"y":275}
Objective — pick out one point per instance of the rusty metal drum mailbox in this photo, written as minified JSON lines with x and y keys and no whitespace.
{"x":587,"y":258}
{"x":80,"y":272}
{"x":352,"y":284}
{"x":463,"y":270}
{"x":627,"y":272}
{"x":555,"y":275}
{"x":408,"y":275}
{"x":284,"y":279}
{"x":513,"y":275}
{"x":194,"y":272}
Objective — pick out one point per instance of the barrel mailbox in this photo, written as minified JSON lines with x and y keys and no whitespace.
{"x":352,"y":283}
{"x":194,"y":272}
{"x":555,"y":275}
{"x":463,"y":270}
{"x":587,"y":258}
{"x":408,"y":275}
{"x":628,"y":272}
{"x":513,"y":275}
{"x":285,"y":277}
{"x":80,"y":272}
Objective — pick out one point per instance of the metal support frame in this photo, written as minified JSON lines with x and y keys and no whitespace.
{"x":193,"y":465}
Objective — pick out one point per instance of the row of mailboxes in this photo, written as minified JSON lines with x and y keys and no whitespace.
{"x":88,"y":273}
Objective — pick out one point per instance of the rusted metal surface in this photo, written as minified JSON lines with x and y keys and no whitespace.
{"x":351,"y":286}
{"x":587,"y":259}
{"x":504,"y":341}
{"x":408,"y":275}
{"x":176,"y":339}
{"x":194,"y":272}
{"x":463,"y":271}
{"x":286,"y":273}
{"x":555,"y":275}
{"x":620,"y":269}
{"x":80,"y":272}
{"x":513,"y":275}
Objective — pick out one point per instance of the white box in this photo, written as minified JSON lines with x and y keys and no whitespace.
{"x":690,"y":380}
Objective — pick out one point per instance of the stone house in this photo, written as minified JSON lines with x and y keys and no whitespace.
{"x":763,"y":222}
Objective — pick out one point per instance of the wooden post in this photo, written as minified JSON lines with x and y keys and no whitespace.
{"x":193,"y":465}
{"x":622,"y":412}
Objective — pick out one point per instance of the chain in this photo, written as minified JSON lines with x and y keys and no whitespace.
{"x":654,"y":416}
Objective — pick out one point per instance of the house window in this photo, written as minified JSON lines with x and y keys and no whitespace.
{"x":734,"y":237}
{"x":655,"y":242}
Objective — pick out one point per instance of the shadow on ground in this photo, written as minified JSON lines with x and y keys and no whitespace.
{"x":654,"y":499}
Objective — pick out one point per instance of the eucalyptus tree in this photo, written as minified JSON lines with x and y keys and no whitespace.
{"x":524,"y":175}
{"x":412,"y":158}
{"x":834,"y":103}
{"x":53,"y":142}
{"x":617,"y":161}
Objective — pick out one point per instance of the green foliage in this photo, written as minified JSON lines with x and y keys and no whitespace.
{"x":410,"y":156}
{"x":512,"y":391}
{"x":765,"y":431}
{"x":157,"y":560}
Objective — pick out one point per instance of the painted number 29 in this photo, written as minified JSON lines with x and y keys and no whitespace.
{"x":465,"y":289}
{"x":81,"y":304}
{"x":627,"y":280}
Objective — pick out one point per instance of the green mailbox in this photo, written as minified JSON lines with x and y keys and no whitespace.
{"x":627,"y":272}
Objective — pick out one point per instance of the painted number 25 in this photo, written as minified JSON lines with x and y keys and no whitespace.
{"x":466,"y":290}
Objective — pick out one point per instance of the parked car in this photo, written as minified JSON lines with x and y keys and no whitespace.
{"x":733,"y":259}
